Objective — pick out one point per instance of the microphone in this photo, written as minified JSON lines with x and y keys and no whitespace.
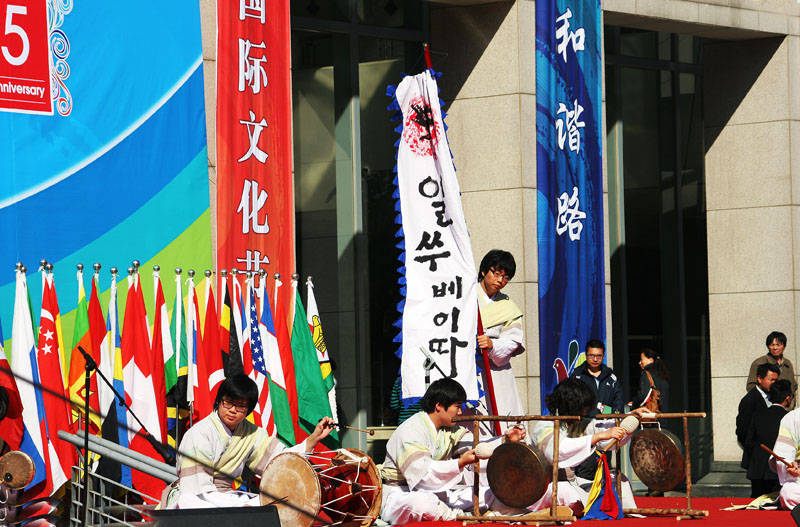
{"x":630,"y":424}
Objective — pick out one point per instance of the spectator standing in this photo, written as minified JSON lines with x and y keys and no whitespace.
{"x":756,"y":400}
{"x":654,"y":373}
{"x":600,"y":379}
{"x":776,"y":345}
{"x":764,"y":427}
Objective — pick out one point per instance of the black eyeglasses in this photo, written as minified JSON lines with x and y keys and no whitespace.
{"x":230,"y":404}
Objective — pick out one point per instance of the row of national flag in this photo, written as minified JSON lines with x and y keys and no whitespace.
{"x":167,"y":371}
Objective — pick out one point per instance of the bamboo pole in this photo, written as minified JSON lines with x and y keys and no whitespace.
{"x":476,"y":479}
{"x":554,"y":482}
{"x":687,"y":462}
{"x":462,"y":418}
{"x":685,"y":512}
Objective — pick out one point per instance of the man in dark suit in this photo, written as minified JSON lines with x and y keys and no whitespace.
{"x":764,"y":426}
{"x":755,"y":400}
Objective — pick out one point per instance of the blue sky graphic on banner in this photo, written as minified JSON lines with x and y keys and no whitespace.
{"x":569,"y":184}
{"x":120,"y":170}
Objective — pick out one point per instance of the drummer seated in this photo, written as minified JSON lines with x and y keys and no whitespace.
{"x":425,"y":478}
{"x":577,"y":442}
{"x":214,"y":452}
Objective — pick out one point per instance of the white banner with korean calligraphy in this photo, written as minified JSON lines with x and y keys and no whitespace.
{"x":438,"y":317}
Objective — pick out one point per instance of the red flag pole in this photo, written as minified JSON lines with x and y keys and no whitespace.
{"x":427,"y":50}
{"x":488,"y":371}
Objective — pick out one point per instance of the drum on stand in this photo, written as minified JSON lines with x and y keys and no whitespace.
{"x":657,"y":458}
{"x":345,"y":490}
{"x":518,"y":474}
{"x":16,"y":470}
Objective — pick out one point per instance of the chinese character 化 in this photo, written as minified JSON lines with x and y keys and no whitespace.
{"x":570,"y":126}
{"x":253,"y":133}
{"x":250,"y":205}
{"x":565,"y":37}
{"x":569,"y":215}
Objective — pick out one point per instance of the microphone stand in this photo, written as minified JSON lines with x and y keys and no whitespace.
{"x":169,"y":459}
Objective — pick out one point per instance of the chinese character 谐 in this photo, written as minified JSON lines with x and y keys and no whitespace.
{"x":565,"y":37}
{"x":569,"y":126}
{"x":569,"y":216}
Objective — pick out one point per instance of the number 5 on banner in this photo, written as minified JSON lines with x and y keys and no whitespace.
{"x":25,"y":57}
{"x":13,"y":29}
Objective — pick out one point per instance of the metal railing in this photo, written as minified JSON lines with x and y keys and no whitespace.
{"x":110,"y":503}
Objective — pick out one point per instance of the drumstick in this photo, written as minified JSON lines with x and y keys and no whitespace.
{"x":776,"y":456}
{"x":370,"y":432}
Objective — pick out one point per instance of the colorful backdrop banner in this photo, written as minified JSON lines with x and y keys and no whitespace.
{"x":569,"y":183}
{"x":120,"y":170}
{"x":255,"y":198}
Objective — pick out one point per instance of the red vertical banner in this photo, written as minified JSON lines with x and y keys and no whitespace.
{"x":24,"y":57}
{"x":255,"y":198}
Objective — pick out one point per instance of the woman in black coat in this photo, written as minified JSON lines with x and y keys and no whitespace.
{"x":651,"y":363}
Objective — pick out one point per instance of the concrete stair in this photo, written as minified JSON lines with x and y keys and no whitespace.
{"x":726,"y":478}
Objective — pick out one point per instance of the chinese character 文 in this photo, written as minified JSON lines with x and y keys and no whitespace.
{"x":453,"y":287}
{"x":440,"y":318}
{"x":253,"y":260}
{"x":569,"y":126}
{"x":569,"y":216}
{"x":253,"y":9}
{"x":254,"y":130}
{"x":566,"y":37}
{"x":251,"y":69}
{"x":250,"y":205}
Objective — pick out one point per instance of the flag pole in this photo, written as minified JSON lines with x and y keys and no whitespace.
{"x":487,"y":369}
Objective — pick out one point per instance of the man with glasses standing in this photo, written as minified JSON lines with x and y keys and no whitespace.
{"x":215,"y":451}
{"x":601,"y":379}
{"x":503,"y":333}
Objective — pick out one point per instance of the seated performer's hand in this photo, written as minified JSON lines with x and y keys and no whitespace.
{"x":639,"y":412}
{"x":514,"y":434}
{"x":321,"y":431}
{"x":467,"y":458}
{"x":793,"y":470}
{"x":484,"y":342}
{"x":616,"y":432}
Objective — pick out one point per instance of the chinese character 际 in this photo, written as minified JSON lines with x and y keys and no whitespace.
{"x":251,"y":69}
{"x":565,"y":37}
{"x":569,"y":126}
{"x":569,"y":216}
{"x":250,"y":205}
{"x":253,"y":9}
{"x":253,"y":133}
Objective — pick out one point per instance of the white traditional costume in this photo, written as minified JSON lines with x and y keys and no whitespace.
{"x":787,"y":445}
{"x":573,"y":491}
{"x":422,"y":480}
{"x":211,"y":457}
{"x":502,"y":322}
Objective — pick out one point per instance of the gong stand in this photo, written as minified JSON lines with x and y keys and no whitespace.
{"x":556,"y":514}
{"x":683,"y":514}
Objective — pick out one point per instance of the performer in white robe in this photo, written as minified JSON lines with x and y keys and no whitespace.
{"x":214,"y":452}
{"x":423,"y":481}
{"x":787,"y":446}
{"x":503,"y":335}
{"x":576,"y":442}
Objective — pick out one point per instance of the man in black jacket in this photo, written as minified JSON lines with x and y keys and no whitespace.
{"x":756,"y":400}
{"x":600,"y":379}
{"x":764,"y":426}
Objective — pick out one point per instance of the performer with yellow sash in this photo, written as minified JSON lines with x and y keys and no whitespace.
{"x":787,"y":445}
{"x":214,"y":452}
{"x":503,"y":333}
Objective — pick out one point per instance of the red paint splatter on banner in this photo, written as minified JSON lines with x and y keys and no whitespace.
{"x":422,"y":129}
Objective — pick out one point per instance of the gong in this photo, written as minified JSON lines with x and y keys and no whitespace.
{"x":518,"y":474}
{"x":657,"y":458}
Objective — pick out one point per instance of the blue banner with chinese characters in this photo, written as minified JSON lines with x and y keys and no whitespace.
{"x":569,"y":184}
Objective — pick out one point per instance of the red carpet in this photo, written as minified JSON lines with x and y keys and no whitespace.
{"x":715,"y":518}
